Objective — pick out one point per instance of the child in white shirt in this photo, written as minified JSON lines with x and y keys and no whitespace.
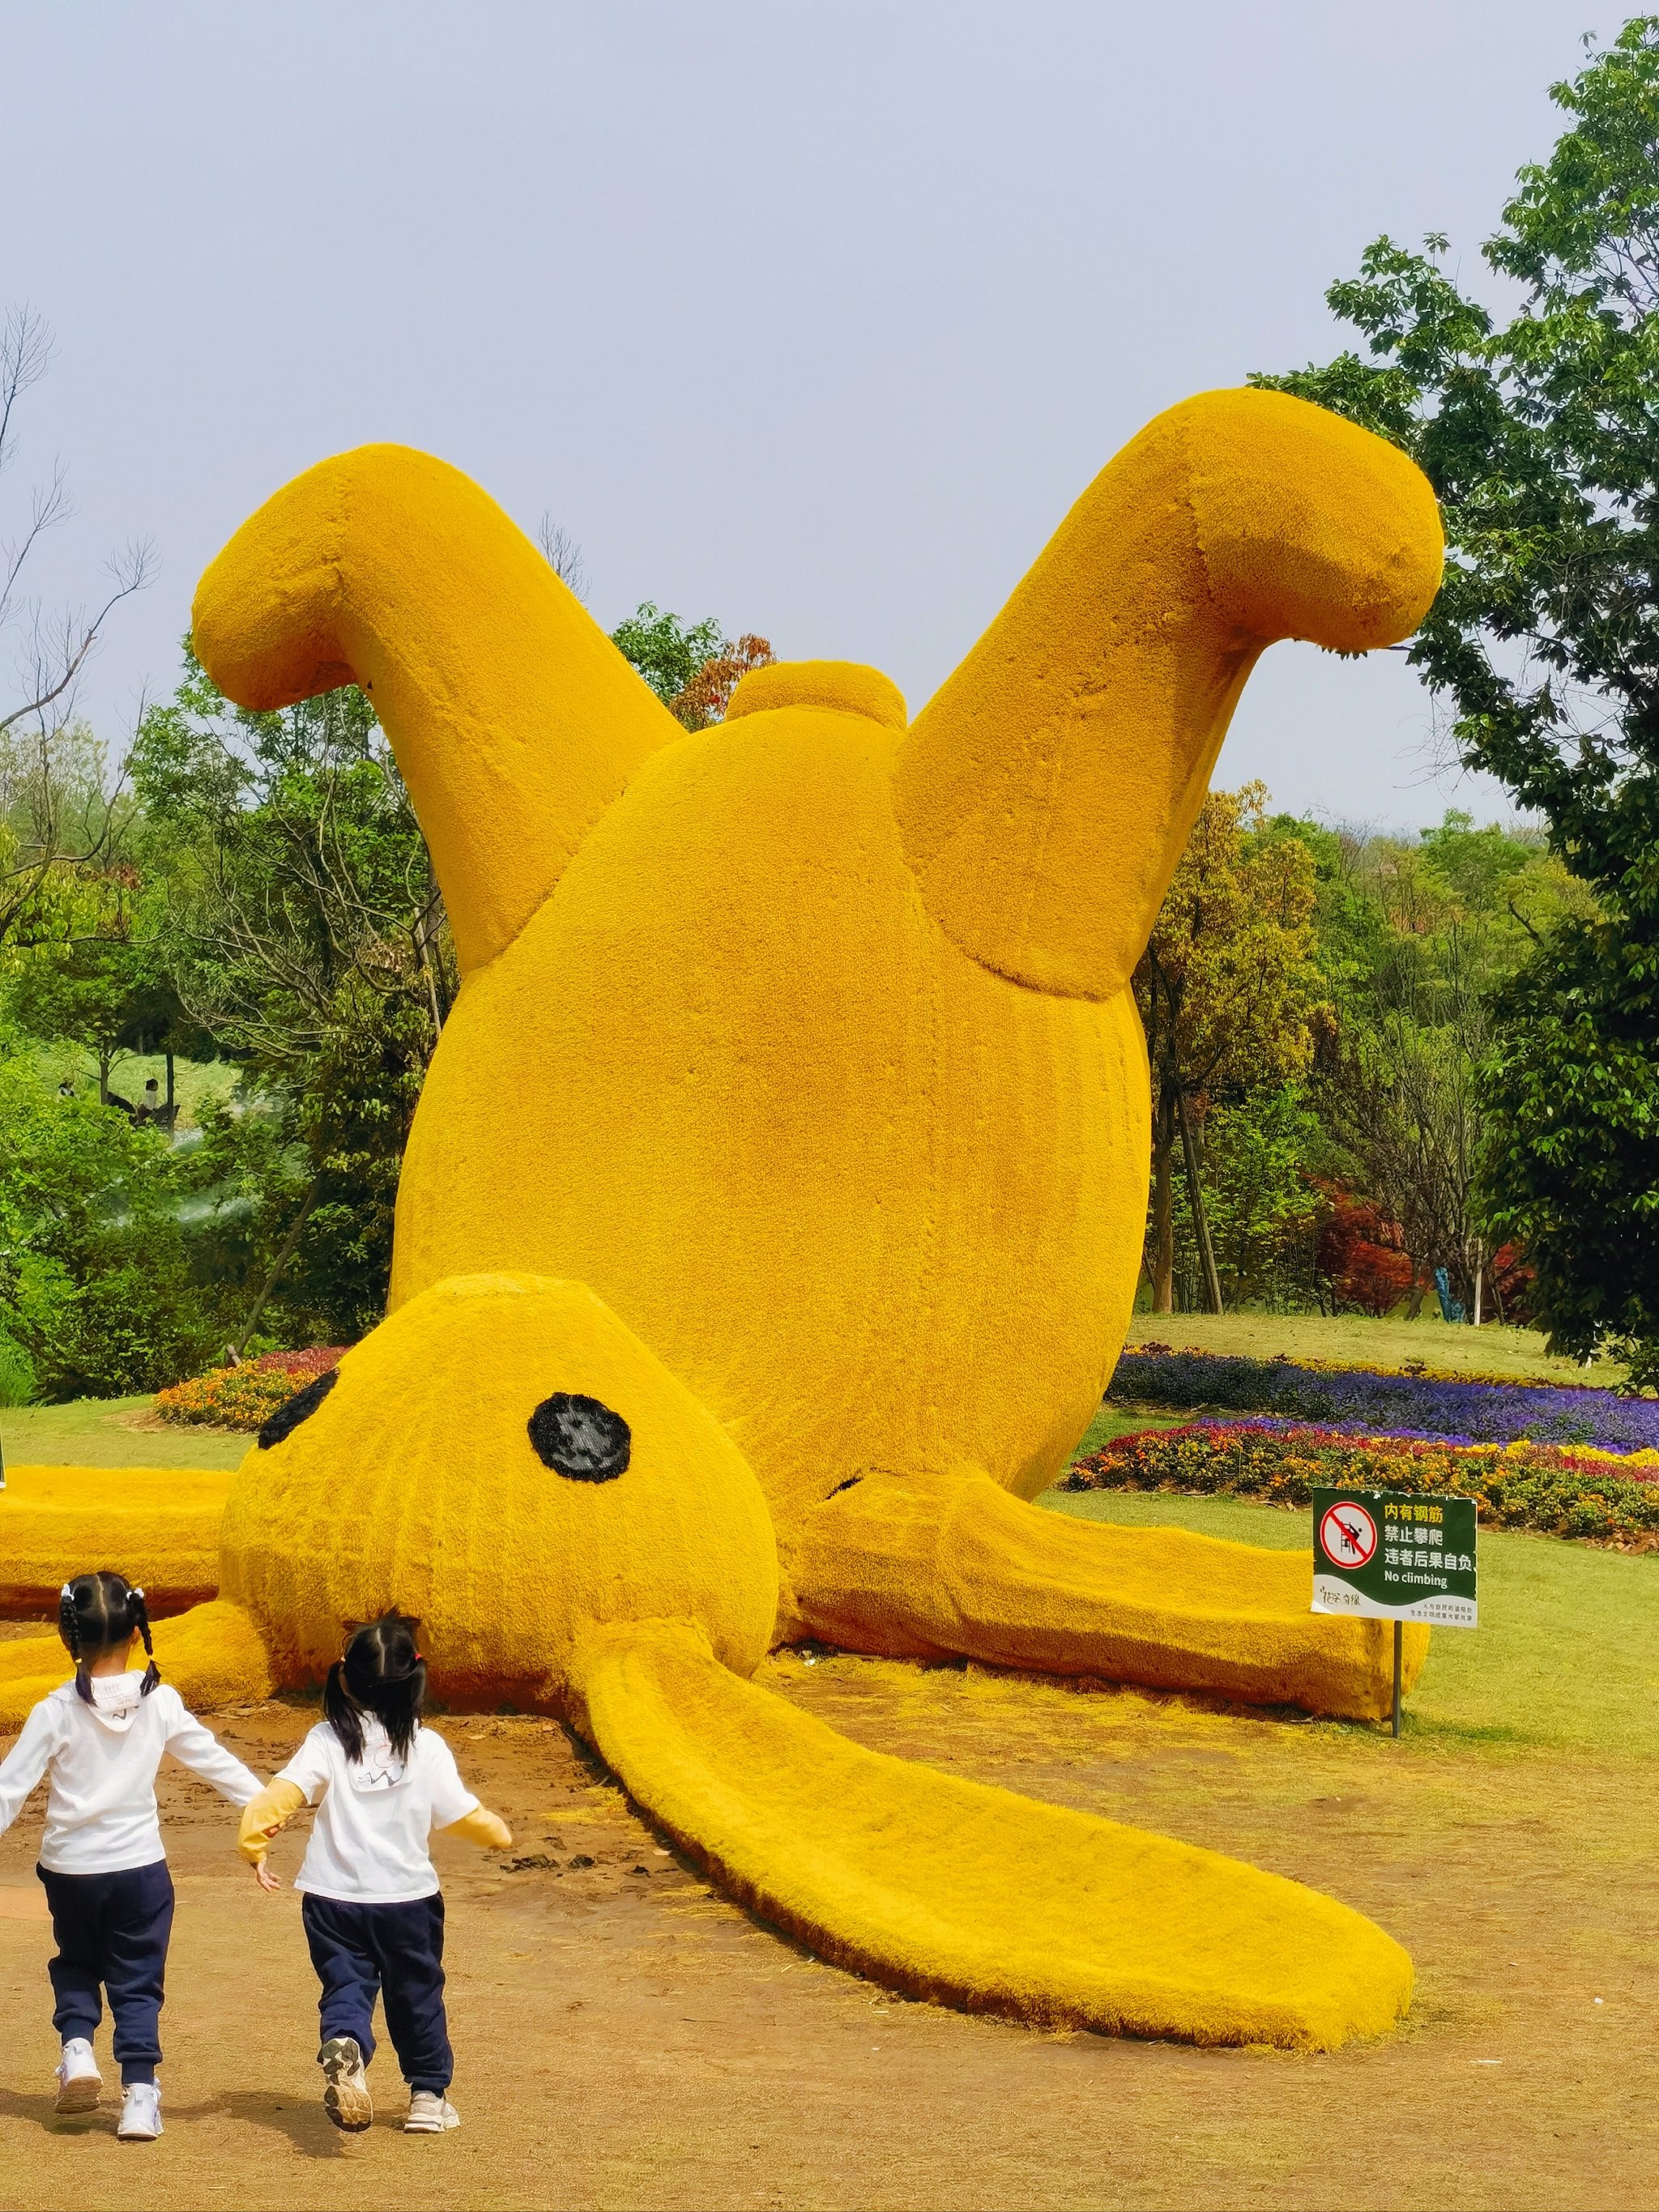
{"x":373,"y":1911}
{"x":100,"y":1740}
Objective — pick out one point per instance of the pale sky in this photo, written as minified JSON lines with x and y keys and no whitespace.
{"x":812,"y":317}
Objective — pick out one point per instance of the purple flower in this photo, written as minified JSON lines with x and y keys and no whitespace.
{"x":1395,"y":1405}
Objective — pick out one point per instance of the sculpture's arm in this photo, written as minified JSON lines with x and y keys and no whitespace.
{"x":1046,"y":793}
{"x":949,"y":1562}
{"x":516,"y":721}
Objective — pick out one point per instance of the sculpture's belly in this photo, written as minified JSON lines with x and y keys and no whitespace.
{"x":877,"y":1207}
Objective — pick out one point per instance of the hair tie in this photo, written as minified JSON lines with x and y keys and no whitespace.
{"x":68,"y":1591}
{"x":136,"y":1589}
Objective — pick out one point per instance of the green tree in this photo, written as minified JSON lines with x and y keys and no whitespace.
{"x":1540,"y":432}
{"x":693,"y":669}
{"x":1227,"y":990}
{"x":305,"y":932}
{"x":48,"y":820}
{"x":667,"y":652}
{"x":103,"y":984}
{"x":1417,"y":938}
{"x":1261,"y":1207}
{"x":98,"y":1295}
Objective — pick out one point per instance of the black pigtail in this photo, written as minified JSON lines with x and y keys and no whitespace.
{"x":340,"y":1710}
{"x":383,"y":1673}
{"x":69,"y":1627}
{"x":140,"y":1610}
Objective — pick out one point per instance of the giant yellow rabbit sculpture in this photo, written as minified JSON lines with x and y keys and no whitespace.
{"x":771,"y":1217}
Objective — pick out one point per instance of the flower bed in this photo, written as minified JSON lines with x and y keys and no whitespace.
{"x":1489,"y":1412}
{"x":246,"y":1397}
{"x":1521,"y":1486}
{"x":303,"y":1366}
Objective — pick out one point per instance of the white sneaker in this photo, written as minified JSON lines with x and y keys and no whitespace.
{"x":345,"y":2087}
{"x":141,"y":2113}
{"x":430,"y":2114}
{"x":79,"y":2081}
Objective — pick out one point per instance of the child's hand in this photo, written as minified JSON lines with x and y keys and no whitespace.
{"x":263,"y":1877}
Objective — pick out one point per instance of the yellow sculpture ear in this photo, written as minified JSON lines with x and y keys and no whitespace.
{"x":516,"y":721}
{"x":1046,"y":793}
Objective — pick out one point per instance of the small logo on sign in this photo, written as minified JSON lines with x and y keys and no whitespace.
{"x":1347,"y":1536}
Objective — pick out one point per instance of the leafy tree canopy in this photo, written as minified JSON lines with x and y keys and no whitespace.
{"x":693,"y":669}
{"x":1227,"y":988}
{"x":667,"y":652}
{"x":1540,"y":432}
{"x":304,"y":930}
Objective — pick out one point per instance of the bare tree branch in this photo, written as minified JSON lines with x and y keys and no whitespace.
{"x":564,"y":555}
{"x":26,"y":350}
{"x":56,"y":663}
{"x":57,"y":810}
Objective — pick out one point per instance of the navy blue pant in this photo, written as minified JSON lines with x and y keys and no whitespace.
{"x":396,"y":1951}
{"x":112,"y":1929}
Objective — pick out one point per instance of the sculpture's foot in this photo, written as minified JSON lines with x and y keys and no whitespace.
{"x":923,"y":1564}
{"x":967,"y":1894}
{"x":212,"y":1655}
{"x":157,"y":1526}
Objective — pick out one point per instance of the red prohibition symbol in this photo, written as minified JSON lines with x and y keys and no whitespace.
{"x":1347,"y":1536}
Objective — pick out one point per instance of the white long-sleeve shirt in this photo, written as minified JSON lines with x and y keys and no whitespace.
{"x":101,"y":1759}
{"x":368,"y":1843}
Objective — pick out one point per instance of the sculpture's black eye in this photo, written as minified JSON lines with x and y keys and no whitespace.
{"x":299,"y":1407}
{"x":580,"y":1437}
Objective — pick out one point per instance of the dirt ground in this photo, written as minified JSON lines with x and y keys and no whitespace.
{"x":625,"y":2038}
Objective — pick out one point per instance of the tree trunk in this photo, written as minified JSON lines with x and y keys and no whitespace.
{"x":170,"y":1108}
{"x":1163,"y":1207}
{"x":1195,"y":1200}
{"x":284,"y":1257}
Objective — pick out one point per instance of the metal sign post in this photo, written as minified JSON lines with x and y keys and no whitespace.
{"x":1392,"y":1555}
{"x":1399,"y":1647}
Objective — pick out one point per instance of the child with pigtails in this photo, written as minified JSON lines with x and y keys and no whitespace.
{"x":373,"y":1909}
{"x":98,"y":1740}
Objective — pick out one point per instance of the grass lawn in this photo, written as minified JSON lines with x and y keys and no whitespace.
{"x":1564,"y":1654}
{"x":101,"y":1432}
{"x":194,"y":1081}
{"x":1123,"y":1420}
{"x":1358,"y":1342}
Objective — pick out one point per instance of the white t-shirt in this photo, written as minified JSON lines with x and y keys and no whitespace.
{"x":368,"y":1842}
{"x":102,"y":1757}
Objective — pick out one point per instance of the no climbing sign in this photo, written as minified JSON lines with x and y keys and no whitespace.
{"x":1386,"y":1555}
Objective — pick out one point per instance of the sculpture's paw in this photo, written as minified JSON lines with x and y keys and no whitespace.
{"x":212,"y":1655}
{"x":952,"y":1563}
{"x":968,"y":1894}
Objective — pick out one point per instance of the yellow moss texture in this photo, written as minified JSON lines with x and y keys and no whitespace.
{"x":968,"y":1894}
{"x":159,"y":1529}
{"x":1047,"y":791}
{"x":875,"y":1205}
{"x":795,"y":1107}
{"x":517,"y":720}
{"x":213,"y":1655}
{"x":805,"y":1041}
{"x":989,"y":1576}
{"x":414,"y":1484}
